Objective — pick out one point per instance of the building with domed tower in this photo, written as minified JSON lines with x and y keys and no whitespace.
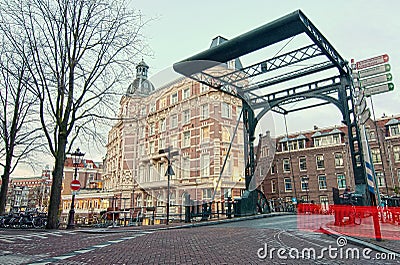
{"x":197,"y":123}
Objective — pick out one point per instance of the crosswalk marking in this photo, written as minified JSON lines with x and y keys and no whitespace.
{"x":32,"y":236}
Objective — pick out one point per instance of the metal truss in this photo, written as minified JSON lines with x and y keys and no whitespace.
{"x":331,"y":90}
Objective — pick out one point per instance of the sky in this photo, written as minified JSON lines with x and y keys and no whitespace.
{"x":357,"y":29}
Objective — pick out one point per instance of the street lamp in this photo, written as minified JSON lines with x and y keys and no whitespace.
{"x":76,"y":160}
{"x":170,"y":172}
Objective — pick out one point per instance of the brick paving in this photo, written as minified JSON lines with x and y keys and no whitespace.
{"x":199,"y":245}
{"x":366,"y":232}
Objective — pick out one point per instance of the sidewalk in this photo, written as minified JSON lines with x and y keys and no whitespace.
{"x":180,"y":225}
{"x":364,"y":234}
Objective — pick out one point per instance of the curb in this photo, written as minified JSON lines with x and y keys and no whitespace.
{"x":358,"y":242}
{"x":189,"y":225}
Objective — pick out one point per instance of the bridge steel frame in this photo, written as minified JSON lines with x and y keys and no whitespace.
{"x":337,"y":89}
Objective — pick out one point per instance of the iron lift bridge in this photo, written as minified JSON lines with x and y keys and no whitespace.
{"x":316,"y":68}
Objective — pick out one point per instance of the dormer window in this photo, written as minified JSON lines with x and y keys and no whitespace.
{"x":393,"y":127}
{"x":394,"y":130}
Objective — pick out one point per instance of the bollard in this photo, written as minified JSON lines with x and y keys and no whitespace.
{"x":229,"y":210}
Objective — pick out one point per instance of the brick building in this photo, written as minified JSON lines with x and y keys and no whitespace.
{"x":196,"y":122}
{"x":29,"y":192}
{"x":309,"y":164}
{"x":91,"y":198}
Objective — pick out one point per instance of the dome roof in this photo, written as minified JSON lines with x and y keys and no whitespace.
{"x":141,"y":86}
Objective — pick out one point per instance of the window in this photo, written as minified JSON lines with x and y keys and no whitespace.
{"x":336,"y":138}
{"x":303,"y":163}
{"x":207,"y":193}
{"x":285,"y":146}
{"x":204,"y":111}
{"x":338,"y":160}
{"x":174,"y":141}
{"x":186,"y":93}
{"x":376,"y":155}
{"x":226,"y":110}
{"x":162,"y":170}
{"x":398,"y":175}
{"x":320,"y":161}
{"x":286,"y":165}
{"x":293,"y":145}
{"x":152,"y":129}
{"x":185,"y":116}
{"x":174,"y":121}
{"x":161,"y":143}
{"x":288,"y":184}
{"x":205,"y":165}
{"x":141,"y":150}
{"x":304,"y":183}
{"x":185,"y":167}
{"x":227,"y":193}
{"x":149,"y":201}
{"x":370,"y":134}
{"x":396,"y":153}
{"x":226,"y":135}
{"x":163,"y":103}
{"x":162,"y":125}
{"x":341,"y":181}
{"x":302,"y":144}
{"x":152,"y":107}
{"x":273,"y":186}
{"x":205,"y":134}
{"x":273,"y":169}
{"x":394,"y":130}
{"x":186,"y":139}
{"x":141,"y":132}
{"x":317,"y":142}
{"x":380,"y":178}
{"x":151,"y":147}
{"x":174,"y":98}
{"x":322,"y":182}
{"x":203,"y":88}
{"x":323,"y":199}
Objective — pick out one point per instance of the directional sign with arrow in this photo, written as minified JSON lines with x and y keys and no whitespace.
{"x":372,"y":61}
{"x":376,"y":80}
{"x":380,"y":69}
{"x":378,"y":89}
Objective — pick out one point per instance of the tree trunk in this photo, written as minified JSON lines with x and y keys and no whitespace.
{"x":56,"y":186}
{"x":5,"y":178}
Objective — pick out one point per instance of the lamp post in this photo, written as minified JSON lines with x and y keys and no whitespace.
{"x":305,"y":181}
{"x":170,"y":172}
{"x":76,"y":160}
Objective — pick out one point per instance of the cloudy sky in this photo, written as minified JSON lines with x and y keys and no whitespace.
{"x":357,"y":29}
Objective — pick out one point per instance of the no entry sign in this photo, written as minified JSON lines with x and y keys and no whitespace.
{"x":75,"y":185}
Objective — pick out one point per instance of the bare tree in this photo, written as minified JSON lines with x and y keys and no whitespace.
{"x":19,"y":125}
{"x":83,"y":54}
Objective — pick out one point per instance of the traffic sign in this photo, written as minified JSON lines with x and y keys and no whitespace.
{"x":380,"y":69}
{"x":372,"y":61}
{"x":376,"y":80}
{"x":362,"y":106}
{"x":364,"y":116}
{"x":75,"y":185}
{"x":378,"y":89}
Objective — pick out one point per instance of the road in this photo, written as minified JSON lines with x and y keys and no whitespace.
{"x":274,"y":240}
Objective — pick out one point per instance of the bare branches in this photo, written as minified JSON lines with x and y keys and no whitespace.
{"x":81,"y":56}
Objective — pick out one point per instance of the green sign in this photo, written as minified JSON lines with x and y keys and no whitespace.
{"x":369,"y":91}
{"x":373,"y":71}
{"x":376,"y":80}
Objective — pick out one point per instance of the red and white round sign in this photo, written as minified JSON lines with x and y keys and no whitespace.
{"x":75,"y":185}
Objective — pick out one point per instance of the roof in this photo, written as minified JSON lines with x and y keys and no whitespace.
{"x":392,"y":122}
